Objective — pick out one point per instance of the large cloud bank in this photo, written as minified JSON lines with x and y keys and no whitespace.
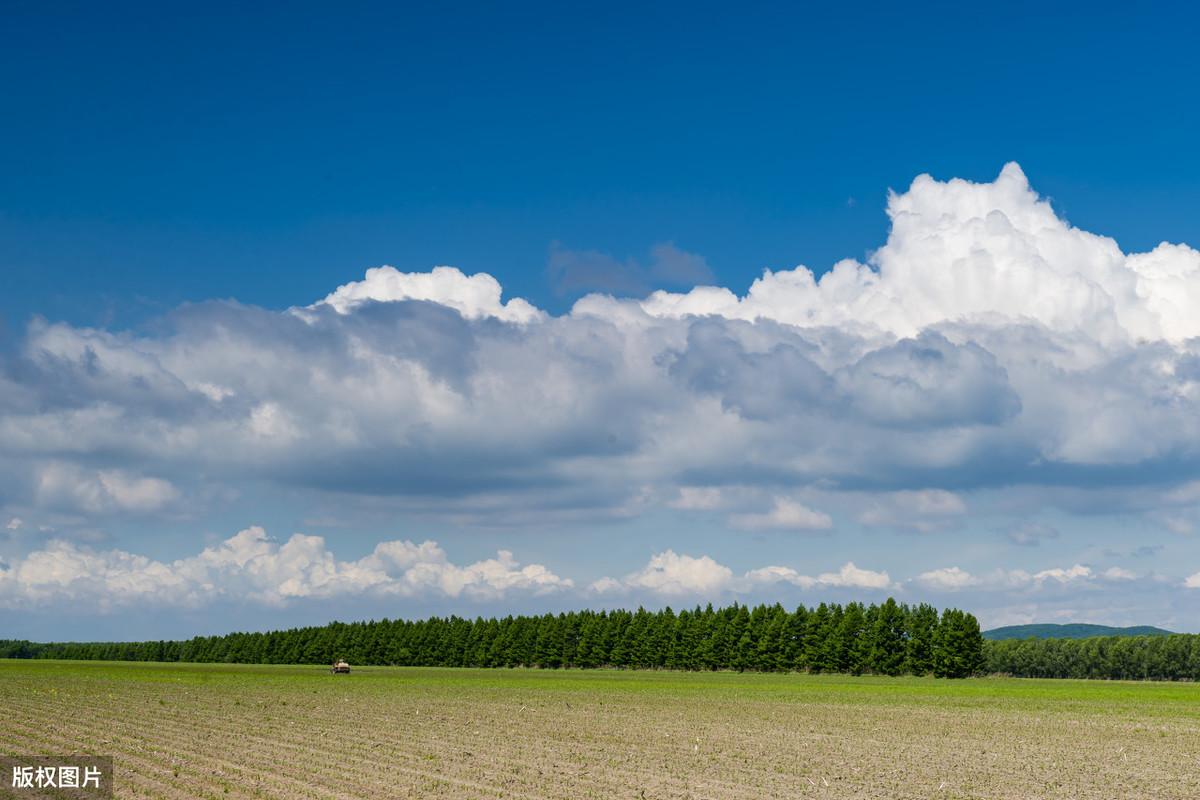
{"x":252,"y":566}
{"x":988,"y":343}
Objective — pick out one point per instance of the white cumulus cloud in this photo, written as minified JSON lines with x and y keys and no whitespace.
{"x":947,"y":579}
{"x":988,"y":344}
{"x":474,"y":296}
{"x":955,"y":579}
{"x":252,"y":566}
{"x":963,"y":251}
{"x":1064,"y":575}
{"x":669,"y":573}
{"x":849,"y":576}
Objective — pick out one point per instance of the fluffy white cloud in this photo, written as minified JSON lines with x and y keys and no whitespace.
{"x":984,"y":252}
{"x":252,"y":566}
{"x":952,"y":579}
{"x":784,"y":515}
{"x":988,"y":343}
{"x":668,"y":573}
{"x":947,"y":579}
{"x":849,"y":576}
{"x":474,"y":296}
{"x":1077,"y":572}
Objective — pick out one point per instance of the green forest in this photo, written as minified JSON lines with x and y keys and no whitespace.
{"x":882,"y":639}
{"x":885,"y":639}
{"x":1163,"y":658}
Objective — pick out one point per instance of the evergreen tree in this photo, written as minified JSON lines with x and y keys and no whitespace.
{"x":922,"y":623}
{"x":819,"y":655}
{"x":741,"y":637}
{"x":854,"y":645}
{"x":770,"y":651}
{"x":957,"y":645}
{"x":888,"y":639}
{"x":792,"y":652}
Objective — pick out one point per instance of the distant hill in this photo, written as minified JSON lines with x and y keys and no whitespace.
{"x":1071,"y":631}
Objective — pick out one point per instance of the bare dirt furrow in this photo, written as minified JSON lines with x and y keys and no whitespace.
{"x":149,"y":749}
{"x":136,"y":776}
{"x":340,"y":770}
{"x":230,"y":732}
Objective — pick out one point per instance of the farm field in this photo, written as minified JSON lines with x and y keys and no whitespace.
{"x":229,"y":731}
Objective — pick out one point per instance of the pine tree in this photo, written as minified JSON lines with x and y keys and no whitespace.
{"x":854,"y":646}
{"x":770,"y":657}
{"x":974,"y":662}
{"x":792,"y":652}
{"x":888,"y":639}
{"x":957,"y":645}
{"x":741,"y":651}
{"x":921,"y":624}
{"x":817,"y":649}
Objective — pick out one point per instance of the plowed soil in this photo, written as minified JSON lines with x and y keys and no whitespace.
{"x":222,"y":731}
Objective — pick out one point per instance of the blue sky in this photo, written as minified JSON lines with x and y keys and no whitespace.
{"x":162,"y":158}
{"x":1003,"y":420}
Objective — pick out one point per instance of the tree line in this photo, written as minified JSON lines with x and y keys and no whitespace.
{"x":1158,"y":658}
{"x":883,"y":639}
